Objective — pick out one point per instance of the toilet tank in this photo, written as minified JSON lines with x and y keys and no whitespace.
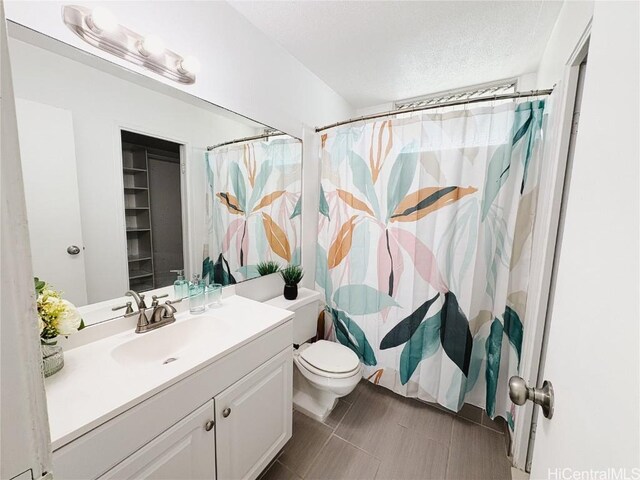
{"x":306,"y":308}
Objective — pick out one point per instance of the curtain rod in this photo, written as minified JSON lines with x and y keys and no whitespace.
{"x":246,"y":139}
{"x":503,"y":96}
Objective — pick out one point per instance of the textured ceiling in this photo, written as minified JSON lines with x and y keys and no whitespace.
{"x":373,"y":52}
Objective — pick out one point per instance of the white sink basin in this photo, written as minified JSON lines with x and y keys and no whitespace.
{"x":169,"y":343}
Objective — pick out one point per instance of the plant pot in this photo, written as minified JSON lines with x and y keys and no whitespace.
{"x":291,"y":292}
{"x":52,"y":359}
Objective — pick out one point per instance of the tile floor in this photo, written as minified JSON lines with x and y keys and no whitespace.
{"x":375,"y":434}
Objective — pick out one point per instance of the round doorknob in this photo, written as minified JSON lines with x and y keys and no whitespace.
{"x":73,"y":250}
{"x":226,"y":412}
{"x":209,"y":425}
{"x":520,"y":392}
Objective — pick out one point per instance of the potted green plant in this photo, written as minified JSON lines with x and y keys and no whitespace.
{"x":291,"y":274}
{"x":268,"y":267}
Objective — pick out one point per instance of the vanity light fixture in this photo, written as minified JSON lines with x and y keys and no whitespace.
{"x":99,"y":27}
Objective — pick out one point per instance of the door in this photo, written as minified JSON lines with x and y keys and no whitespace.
{"x":592,"y":354}
{"x":253,"y":419}
{"x":185,"y":451}
{"x":47,"y":148}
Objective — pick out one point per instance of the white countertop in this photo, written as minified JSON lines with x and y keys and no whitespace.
{"x":94,"y":386}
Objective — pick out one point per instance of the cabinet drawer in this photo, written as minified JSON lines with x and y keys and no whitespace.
{"x":186,"y":450}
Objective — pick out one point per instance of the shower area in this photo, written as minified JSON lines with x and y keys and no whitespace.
{"x":426,"y":219}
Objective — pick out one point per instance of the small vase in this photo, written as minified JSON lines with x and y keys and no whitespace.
{"x":52,"y":359}
{"x":291,"y":292}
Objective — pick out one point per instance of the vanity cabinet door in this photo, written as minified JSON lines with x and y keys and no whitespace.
{"x":185,"y":451}
{"x":253,"y":419}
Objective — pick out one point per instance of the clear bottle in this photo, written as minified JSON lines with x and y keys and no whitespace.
{"x":180,"y":286}
{"x":196,"y":295}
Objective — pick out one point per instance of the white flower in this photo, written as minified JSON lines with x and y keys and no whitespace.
{"x":41,"y":324}
{"x":69,"y":320}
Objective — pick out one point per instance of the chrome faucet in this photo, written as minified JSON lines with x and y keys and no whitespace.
{"x":163,"y":314}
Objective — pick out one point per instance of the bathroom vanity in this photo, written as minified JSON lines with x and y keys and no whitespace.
{"x":208,"y":396}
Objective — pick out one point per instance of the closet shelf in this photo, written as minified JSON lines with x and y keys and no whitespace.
{"x":139,"y":274}
{"x":134,"y":230}
{"x":139,"y":258}
{"x":135,"y":189}
{"x":134,"y":170}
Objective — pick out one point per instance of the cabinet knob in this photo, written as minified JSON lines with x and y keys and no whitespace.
{"x":209,"y":425}
{"x":226,"y":412}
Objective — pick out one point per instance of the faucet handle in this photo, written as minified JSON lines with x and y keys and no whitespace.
{"x":127,"y":306}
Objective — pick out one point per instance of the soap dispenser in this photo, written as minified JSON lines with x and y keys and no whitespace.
{"x":180,"y":286}
{"x":196,"y":295}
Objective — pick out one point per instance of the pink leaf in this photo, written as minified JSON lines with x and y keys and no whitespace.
{"x":423,"y":259}
{"x":233,"y":228}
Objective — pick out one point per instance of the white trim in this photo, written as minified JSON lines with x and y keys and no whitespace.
{"x":544,"y":241}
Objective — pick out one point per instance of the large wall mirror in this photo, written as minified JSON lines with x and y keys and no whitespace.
{"x":128,"y":181}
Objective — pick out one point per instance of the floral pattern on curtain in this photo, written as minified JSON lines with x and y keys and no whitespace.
{"x":424,"y":248}
{"x":253,"y":207}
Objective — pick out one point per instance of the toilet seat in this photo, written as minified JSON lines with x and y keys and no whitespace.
{"x":328,"y":359}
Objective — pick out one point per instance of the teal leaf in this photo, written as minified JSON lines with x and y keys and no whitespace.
{"x":222,"y":272}
{"x":424,"y":343}
{"x":362,"y":181}
{"x":477,"y":359}
{"x":359,"y":254}
{"x":248,"y":271}
{"x":455,"y":335}
{"x":323,"y":277}
{"x":324,"y":206}
{"x":361,"y":299}
{"x":237,"y":182}
{"x":351,"y":335}
{"x":401,"y":177}
{"x":296,"y":257}
{"x":406,"y":327}
{"x":297,"y":210}
{"x":497,"y":174}
{"x":261,"y":180}
{"x":207,"y":270}
{"x":514,"y":330}
{"x":493,"y":348}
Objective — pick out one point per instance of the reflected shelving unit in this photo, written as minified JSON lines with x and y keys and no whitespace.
{"x":137,"y":208}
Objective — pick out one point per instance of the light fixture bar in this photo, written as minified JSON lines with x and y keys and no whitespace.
{"x":127,"y":44}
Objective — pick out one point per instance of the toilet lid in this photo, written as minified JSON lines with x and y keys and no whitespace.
{"x":330,"y":357}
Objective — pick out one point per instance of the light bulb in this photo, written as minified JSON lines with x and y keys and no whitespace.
{"x":102,"y":20}
{"x":190,"y":64}
{"x":151,"y":45}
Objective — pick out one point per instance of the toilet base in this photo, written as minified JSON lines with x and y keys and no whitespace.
{"x":311,"y":401}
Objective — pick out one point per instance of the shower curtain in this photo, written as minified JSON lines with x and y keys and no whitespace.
{"x":424,"y":248}
{"x":252,"y":208}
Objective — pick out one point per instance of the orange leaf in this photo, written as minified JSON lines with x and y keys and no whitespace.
{"x":230,"y":202}
{"x":418,"y":204}
{"x":323,"y":139}
{"x":342,"y":244}
{"x":276,"y":237}
{"x":349,"y":199}
{"x":268,"y":199}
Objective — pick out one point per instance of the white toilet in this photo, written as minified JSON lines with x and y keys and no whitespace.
{"x":323,"y":371}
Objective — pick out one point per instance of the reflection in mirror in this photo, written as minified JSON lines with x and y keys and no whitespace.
{"x":121,"y":191}
{"x":254,"y":187}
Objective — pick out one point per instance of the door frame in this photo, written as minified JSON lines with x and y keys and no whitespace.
{"x":545,"y":233}
{"x":184,"y":181}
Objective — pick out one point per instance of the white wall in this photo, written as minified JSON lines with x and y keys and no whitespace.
{"x":592,"y":353}
{"x":101,"y":104}
{"x":243,"y":70}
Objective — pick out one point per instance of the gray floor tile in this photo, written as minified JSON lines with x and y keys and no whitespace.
{"x":430,"y":422}
{"x":340,"y":460}
{"x":412,"y":456}
{"x":471,"y":412}
{"x":496,"y":424}
{"x":308,"y":438}
{"x":337,"y":414}
{"x":277,"y":471}
{"x":476,"y":453}
{"x":367,"y":420}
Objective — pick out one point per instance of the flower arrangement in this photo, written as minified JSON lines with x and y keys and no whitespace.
{"x":57,"y":316}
